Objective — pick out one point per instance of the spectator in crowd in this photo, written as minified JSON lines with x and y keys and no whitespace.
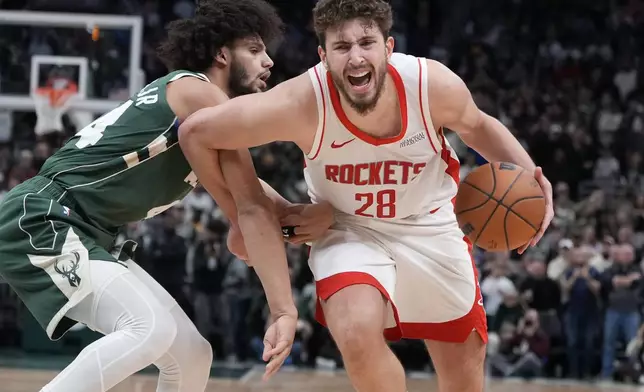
{"x":161,"y":255}
{"x":24,"y":168}
{"x":523,"y":350}
{"x":542,"y":294}
{"x":539,"y":291}
{"x":629,"y":366}
{"x":236,"y":302}
{"x":622,"y":286}
{"x":633,"y":366}
{"x":604,"y":258}
{"x":210,"y":261}
{"x":564,"y":206}
{"x":557,"y":266}
{"x":580,"y":286}
{"x":493,"y":288}
{"x":509,"y":312}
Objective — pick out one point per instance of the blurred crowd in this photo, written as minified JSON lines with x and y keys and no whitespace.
{"x":567,"y":78}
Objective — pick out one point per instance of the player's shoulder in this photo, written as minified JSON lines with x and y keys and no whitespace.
{"x":412,"y":68}
{"x":406,"y":65}
{"x":438,"y":72}
{"x":406,"y":62}
{"x":182,"y":81}
{"x":187,"y":92}
{"x":399,"y":59}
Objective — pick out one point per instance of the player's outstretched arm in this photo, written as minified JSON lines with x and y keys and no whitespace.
{"x":259,"y":225}
{"x":231,"y":179}
{"x":287,"y":112}
{"x":263,"y":237}
{"x":451,"y":106}
{"x":186,"y":96}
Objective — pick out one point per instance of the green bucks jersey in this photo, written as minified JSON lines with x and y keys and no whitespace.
{"x":127,"y":165}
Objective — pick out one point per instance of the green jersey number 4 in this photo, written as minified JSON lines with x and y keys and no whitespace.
{"x":92,"y":134}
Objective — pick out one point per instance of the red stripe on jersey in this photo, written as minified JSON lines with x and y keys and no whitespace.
{"x":420,"y":99}
{"x":323,"y":116}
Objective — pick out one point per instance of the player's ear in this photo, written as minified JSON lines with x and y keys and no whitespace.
{"x":223,"y":57}
{"x":322,"y":55}
{"x":389,"y":45}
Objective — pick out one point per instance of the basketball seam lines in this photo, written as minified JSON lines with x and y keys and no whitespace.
{"x":525,"y":220}
{"x":493,"y":182}
{"x":499,"y":202}
{"x":497,"y":206}
{"x":505,"y":219}
{"x":489,"y":197}
{"x":505,"y":229}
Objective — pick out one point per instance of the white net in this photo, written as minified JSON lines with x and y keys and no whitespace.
{"x":51,"y":102}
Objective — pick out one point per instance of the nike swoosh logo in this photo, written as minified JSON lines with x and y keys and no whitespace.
{"x":334,"y":145}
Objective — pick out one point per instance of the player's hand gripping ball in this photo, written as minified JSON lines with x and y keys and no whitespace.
{"x":500,"y":206}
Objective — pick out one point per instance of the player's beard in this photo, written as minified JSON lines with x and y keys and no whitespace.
{"x":365,"y":105}
{"x":239,"y":82}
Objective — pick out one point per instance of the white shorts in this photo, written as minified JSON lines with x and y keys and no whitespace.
{"x":423,"y":266}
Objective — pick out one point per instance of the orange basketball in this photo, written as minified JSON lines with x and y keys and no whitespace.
{"x":500,"y":206}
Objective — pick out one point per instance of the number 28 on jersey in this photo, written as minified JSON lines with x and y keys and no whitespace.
{"x":379,"y":180}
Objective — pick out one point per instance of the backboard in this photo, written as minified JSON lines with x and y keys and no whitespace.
{"x":64,"y":68}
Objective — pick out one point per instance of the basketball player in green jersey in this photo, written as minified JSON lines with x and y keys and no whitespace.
{"x":57,"y":230}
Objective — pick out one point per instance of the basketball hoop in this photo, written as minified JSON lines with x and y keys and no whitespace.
{"x":51,"y":102}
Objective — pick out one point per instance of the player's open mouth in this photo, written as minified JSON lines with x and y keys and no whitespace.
{"x":263,"y":80}
{"x":359,"y":80}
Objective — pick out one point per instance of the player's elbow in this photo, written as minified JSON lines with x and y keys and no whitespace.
{"x":477,"y":130}
{"x":258,"y":207}
{"x":191,"y":128}
{"x":251,"y":217}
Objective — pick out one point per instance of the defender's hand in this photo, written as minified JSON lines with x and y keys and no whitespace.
{"x":546,"y":188}
{"x":307,"y":222}
{"x":278,"y":341}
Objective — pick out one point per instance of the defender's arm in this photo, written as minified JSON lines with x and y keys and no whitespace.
{"x":236,"y":188}
{"x":188,"y":95}
{"x":260,"y":228}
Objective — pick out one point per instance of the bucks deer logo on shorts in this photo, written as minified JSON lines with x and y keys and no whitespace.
{"x":67,"y":265}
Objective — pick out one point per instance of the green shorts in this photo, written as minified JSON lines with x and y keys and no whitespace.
{"x":46,"y":246}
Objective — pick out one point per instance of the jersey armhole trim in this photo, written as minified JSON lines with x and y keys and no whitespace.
{"x":319,"y":97}
{"x":423,"y":99}
{"x":189,"y":74}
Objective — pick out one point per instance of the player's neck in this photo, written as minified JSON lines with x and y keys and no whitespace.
{"x":219,"y":79}
{"x":385,"y":119}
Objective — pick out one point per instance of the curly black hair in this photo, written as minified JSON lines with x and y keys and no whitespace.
{"x":331,"y":13}
{"x":192,"y":44}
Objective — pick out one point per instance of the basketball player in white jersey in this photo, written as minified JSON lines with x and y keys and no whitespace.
{"x":370,"y":123}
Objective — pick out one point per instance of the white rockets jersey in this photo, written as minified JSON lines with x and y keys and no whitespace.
{"x":408,"y":175}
